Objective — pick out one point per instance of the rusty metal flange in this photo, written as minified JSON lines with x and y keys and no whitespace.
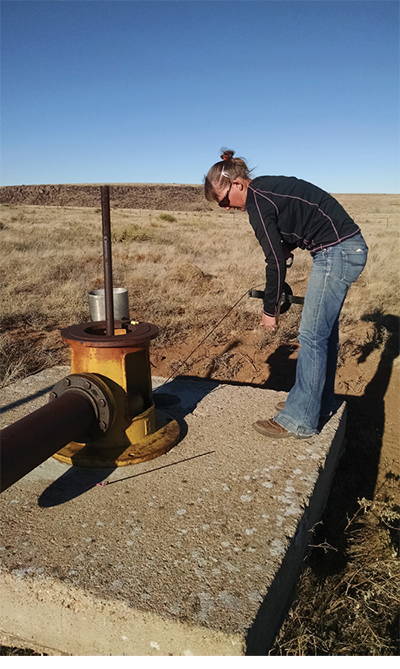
{"x":97,"y":391}
{"x":94,"y":334}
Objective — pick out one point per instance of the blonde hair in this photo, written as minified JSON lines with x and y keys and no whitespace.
{"x":224,"y":172}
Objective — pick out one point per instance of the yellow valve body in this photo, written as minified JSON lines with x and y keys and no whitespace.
{"x":138,"y":431}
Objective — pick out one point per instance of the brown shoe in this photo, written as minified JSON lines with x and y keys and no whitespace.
{"x":270,"y":428}
{"x":280,"y":406}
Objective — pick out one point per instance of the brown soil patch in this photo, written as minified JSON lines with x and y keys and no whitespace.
{"x":370,"y":387}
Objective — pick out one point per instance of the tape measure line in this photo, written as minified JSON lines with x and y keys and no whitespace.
{"x":288,"y":299}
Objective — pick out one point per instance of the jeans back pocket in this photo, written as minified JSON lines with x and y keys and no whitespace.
{"x":354,"y":253}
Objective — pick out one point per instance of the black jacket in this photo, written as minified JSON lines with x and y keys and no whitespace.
{"x":285,"y":211}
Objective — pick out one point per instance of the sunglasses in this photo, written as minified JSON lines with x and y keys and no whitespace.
{"x":225,"y":200}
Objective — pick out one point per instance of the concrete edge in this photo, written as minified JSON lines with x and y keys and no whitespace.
{"x":95,"y":626}
{"x":276,"y":605}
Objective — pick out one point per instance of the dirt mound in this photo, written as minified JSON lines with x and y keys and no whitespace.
{"x":164,"y":197}
{"x":187,"y":273}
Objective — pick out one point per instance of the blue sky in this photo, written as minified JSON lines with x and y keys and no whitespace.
{"x":109,"y":91}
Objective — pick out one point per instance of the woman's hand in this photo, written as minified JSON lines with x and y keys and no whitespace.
{"x":269,"y":322}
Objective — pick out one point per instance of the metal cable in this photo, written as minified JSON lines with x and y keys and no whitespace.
{"x":206,"y":337}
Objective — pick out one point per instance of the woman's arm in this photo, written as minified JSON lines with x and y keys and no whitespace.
{"x":263,"y":220}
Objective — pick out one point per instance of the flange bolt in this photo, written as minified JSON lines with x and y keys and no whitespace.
{"x":87,"y":385}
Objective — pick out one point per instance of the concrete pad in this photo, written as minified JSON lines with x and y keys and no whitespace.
{"x":194,"y":553}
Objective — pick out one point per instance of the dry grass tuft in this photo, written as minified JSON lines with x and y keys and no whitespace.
{"x":167,"y":217}
{"x":355,"y":610}
{"x":13,"y":650}
{"x":28,"y":353}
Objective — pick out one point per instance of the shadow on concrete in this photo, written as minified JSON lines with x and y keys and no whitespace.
{"x":25,"y":400}
{"x":173,"y":388}
{"x":169,"y":397}
{"x":73,"y":483}
{"x":77,"y":480}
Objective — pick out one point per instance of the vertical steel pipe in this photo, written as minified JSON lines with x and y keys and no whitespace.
{"x":107,"y":260}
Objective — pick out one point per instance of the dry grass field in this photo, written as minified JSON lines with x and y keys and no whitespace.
{"x":184,"y":272}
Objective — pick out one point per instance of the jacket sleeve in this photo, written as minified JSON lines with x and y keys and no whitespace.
{"x":264,"y":222}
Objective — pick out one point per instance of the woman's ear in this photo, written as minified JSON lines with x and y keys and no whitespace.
{"x":238,"y":182}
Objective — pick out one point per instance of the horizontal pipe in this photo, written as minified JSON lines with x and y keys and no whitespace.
{"x":31,"y":440}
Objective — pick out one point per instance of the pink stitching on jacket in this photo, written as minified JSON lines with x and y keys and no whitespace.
{"x":295,"y":197}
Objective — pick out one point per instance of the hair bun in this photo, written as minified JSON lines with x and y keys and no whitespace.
{"x":227,"y":154}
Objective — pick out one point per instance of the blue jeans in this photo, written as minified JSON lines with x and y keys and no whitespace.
{"x":335,"y":269}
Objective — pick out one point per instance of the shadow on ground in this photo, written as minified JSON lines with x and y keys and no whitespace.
{"x":356,"y":475}
{"x":77,"y":480}
{"x":354,"y":553}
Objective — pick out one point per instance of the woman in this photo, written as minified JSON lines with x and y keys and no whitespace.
{"x":286,"y":213}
